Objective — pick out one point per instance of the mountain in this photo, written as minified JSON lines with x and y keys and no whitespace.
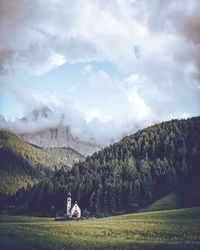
{"x":36,"y":114}
{"x":59,"y":136}
{"x":2,"y":122}
{"x":43,"y":128}
{"x":22,"y":163}
{"x":68,"y":155}
{"x":132,"y":173}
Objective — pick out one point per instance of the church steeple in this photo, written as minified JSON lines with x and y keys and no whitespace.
{"x":69,"y":204}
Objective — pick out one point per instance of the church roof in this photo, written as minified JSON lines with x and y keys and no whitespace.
{"x":75,"y":204}
{"x":72,"y":206}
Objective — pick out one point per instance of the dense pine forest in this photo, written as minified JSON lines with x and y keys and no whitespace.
{"x":129,"y":174}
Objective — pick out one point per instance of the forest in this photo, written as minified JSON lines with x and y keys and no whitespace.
{"x":23,"y":164}
{"x":127,"y":175}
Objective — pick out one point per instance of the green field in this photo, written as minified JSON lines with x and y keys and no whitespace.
{"x":172,"y":229}
{"x":170,"y":201}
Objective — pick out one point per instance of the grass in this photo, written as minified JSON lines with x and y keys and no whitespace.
{"x":170,"y":201}
{"x":163,"y":230}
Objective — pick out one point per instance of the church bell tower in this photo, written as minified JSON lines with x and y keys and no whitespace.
{"x":69,"y":204}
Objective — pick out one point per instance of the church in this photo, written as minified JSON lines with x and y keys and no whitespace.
{"x":73,"y":211}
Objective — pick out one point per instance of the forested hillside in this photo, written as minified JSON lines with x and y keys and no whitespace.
{"x":130,"y":174}
{"x":22,"y":163}
{"x":67,"y":155}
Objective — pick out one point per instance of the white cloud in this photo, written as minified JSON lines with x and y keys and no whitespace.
{"x":96,"y":114}
{"x":87,"y":69}
{"x":154,"y":44}
{"x":54,"y":61}
{"x":140,"y":109}
{"x":133,"y":80}
{"x":129,"y":34}
{"x":71,"y":89}
{"x":48,"y":99}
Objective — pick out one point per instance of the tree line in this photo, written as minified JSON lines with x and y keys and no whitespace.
{"x":129,"y":174}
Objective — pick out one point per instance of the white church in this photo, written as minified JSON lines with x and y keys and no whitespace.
{"x":73,"y":211}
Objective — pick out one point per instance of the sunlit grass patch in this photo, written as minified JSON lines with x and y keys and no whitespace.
{"x":174,"y":229}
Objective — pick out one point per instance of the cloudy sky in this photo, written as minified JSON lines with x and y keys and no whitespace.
{"x":112,"y":66}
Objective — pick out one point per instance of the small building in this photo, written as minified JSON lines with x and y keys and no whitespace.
{"x":73,"y":211}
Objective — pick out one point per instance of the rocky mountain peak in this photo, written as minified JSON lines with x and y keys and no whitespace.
{"x":2,"y":122}
{"x":45,"y":129}
{"x":37,"y":113}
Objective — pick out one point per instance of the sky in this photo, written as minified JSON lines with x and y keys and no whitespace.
{"x":111,"y":66}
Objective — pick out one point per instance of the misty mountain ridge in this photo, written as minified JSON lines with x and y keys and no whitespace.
{"x":36,"y":114}
{"x":3,"y":123}
{"x":44,"y":128}
{"x":60,"y":136}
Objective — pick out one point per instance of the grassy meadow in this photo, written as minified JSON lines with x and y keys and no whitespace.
{"x":170,"y":229}
{"x":170,"y":201}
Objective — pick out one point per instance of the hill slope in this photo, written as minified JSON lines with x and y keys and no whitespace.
{"x":22,"y":163}
{"x":68,"y":155}
{"x":134,"y":172}
{"x":170,"y":201}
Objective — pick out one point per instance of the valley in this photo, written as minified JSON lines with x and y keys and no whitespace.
{"x":130,"y":174}
{"x":139,"y":193}
{"x":173,"y":229}
{"x":99,"y":125}
{"x":23,"y":163}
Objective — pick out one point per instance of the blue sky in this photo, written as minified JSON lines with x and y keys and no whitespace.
{"x":69,"y":81}
{"x":114,"y":65}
